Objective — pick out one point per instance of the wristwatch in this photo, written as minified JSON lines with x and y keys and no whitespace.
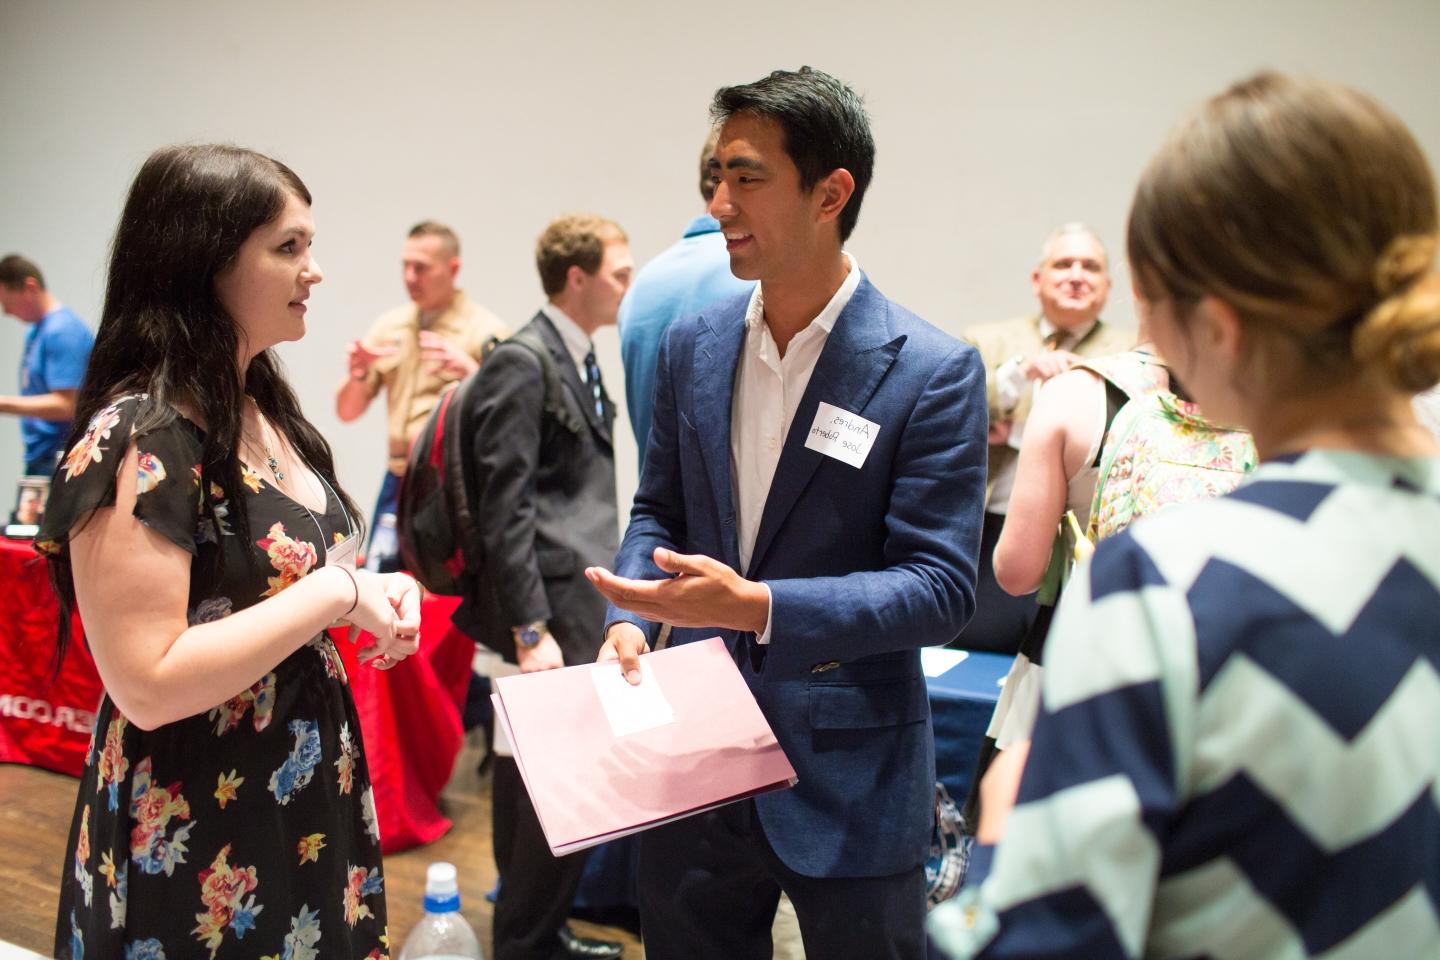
{"x":530,"y":634}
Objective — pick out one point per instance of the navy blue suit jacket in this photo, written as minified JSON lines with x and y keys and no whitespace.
{"x":865,"y":565}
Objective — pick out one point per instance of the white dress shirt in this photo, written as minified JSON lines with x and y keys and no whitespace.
{"x":577,"y":341}
{"x":768,"y":389}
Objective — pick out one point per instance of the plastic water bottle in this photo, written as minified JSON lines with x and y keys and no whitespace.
{"x":442,"y":934}
{"x":384,"y":543}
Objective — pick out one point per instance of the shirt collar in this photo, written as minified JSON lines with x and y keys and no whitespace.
{"x":577,"y":344}
{"x":702,"y":224}
{"x":1071,"y":337}
{"x":755,"y":313}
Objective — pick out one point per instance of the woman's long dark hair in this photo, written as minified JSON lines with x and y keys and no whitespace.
{"x":164,"y":332}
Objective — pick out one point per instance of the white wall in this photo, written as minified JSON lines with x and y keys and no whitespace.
{"x":993,"y":122}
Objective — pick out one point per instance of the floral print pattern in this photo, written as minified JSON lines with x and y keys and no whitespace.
{"x":152,"y":807}
{"x":150,"y":473}
{"x":227,"y":787}
{"x":203,"y":810}
{"x":82,"y":855}
{"x":367,"y":810}
{"x":261,"y":697}
{"x":309,"y":848}
{"x":345,"y":763}
{"x":359,"y":885}
{"x":118,"y":896}
{"x":223,"y":889}
{"x":295,"y":773}
{"x":147,"y":949}
{"x":209,"y":610}
{"x":304,"y":934}
{"x":292,"y":559}
{"x":89,"y":450}
{"x":113,"y":762}
{"x":1159,"y":450}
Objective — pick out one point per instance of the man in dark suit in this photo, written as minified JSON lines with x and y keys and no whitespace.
{"x":542,"y":475}
{"x":812,"y":493}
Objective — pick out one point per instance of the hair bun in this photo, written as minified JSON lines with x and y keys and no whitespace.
{"x":1406,"y":259}
{"x":1401,"y":334}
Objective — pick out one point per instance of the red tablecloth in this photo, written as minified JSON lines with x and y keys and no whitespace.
{"x":410,"y":718}
{"x":42,"y":723}
{"x":409,"y":714}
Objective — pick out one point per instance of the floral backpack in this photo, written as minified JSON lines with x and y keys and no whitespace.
{"x":1159,"y":450}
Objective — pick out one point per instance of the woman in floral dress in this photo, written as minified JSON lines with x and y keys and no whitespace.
{"x":196,"y":523}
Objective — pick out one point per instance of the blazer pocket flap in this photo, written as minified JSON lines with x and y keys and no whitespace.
{"x":556,"y":563}
{"x":858,"y":706}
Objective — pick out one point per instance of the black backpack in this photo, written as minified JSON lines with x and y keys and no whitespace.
{"x":437,"y":532}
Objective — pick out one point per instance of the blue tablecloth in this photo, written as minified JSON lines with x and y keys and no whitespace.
{"x":961,"y":702}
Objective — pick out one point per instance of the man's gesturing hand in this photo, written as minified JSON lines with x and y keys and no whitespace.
{"x":703,"y":593}
{"x":361,"y":358}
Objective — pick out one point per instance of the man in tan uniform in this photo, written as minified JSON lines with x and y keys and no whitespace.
{"x":412,"y":353}
{"x":1071,"y":281}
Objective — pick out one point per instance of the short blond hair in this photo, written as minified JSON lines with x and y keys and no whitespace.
{"x":574,"y":240}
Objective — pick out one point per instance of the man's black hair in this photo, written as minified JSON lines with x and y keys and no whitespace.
{"x":824,"y":124}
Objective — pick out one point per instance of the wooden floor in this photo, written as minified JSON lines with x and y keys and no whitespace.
{"x":36,"y":808}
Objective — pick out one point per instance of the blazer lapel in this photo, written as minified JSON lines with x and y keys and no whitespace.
{"x":717,"y":356}
{"x":857,"y":354}
{"x":570,"y":377}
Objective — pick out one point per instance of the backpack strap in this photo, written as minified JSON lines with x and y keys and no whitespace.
{"x":550,"y":373}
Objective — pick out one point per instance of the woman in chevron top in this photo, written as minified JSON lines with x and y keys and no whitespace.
{"x":1236,"y":754}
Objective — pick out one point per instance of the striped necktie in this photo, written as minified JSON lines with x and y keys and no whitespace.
{"x":592,"y":379}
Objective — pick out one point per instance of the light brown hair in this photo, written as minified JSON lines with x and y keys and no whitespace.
{"x":449,"y":242}
{"x":576,"y":240}
{"x":1310,"y":209}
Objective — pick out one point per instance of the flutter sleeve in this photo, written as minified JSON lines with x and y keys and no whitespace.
{"x":168,"y":481}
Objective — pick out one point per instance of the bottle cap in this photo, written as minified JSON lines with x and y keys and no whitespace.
{"x":442,"y":892}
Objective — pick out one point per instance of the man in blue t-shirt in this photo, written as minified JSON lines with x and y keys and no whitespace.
{"x":57,"y":347}
{"x":682,"y":280}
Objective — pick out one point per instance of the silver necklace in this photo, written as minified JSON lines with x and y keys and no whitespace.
{"x":270,"y":459}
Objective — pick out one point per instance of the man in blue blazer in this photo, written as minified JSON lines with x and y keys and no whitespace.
{"x":812,"y":491}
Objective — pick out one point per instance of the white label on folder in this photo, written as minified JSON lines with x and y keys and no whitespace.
{"x":841,"y":434}
{"x":631,"y":709}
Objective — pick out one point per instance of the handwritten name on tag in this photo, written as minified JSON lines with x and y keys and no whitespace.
{"x":841,"y":434}
{"x":631,"y":709}
{"x":343,"y":554}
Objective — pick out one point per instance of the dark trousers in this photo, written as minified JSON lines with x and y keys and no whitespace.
{"x":536,"y":888}
{"x":709,"y":885}
{"x":1001,"y":621}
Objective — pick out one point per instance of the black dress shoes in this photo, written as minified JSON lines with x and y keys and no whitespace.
{"x":586,"y":947}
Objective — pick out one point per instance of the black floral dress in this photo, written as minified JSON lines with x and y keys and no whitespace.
{"x":248,"y":830}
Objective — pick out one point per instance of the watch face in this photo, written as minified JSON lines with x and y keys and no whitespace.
{"x":528,"y":637}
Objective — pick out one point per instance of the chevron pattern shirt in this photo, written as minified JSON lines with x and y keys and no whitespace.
{"x":1238,"y":753}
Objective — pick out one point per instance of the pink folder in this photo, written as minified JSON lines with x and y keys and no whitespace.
{"x":589,"y":785}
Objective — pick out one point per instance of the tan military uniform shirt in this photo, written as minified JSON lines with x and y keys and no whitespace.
{"x":411,"y":391}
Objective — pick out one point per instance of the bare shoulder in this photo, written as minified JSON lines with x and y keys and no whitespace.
{"x":1072,"y":406}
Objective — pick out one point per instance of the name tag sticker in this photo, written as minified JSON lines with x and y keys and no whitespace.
{"x":841,"y":434}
